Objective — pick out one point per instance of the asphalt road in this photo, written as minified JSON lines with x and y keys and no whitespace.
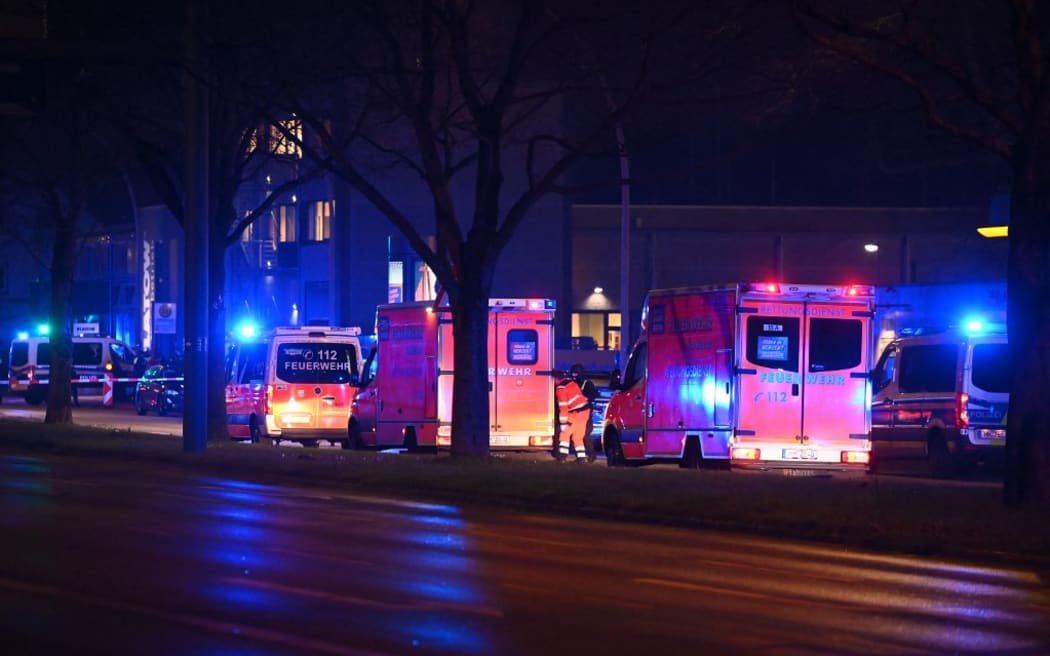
{"x":108,"y":557}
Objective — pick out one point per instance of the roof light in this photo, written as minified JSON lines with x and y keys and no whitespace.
{"x":23,"y":334}
{"x":974,"y":325}
{"x":43,"y":329}
{"x":247,"y":331}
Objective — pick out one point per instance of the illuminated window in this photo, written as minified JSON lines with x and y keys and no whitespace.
{"x":281,"y":143}
{"x":286,"y":228}
{"x":319,"y":225}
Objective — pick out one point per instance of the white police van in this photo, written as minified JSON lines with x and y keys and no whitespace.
{"x":29,"y":364}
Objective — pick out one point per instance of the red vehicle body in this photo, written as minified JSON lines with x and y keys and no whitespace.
{"x":407,"y":401}
{"x":296,"y":385}
{"x":773,"y":375}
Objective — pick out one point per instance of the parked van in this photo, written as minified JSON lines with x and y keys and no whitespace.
{"x":941,"y":398}
{"x":407,"y":400}
{"x":93,"y":359}
{"x":763,"y":375}
{"x":296,"y":385}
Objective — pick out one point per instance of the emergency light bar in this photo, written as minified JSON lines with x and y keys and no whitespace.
{"x":319,"y":331}
{"x":530,"y":303}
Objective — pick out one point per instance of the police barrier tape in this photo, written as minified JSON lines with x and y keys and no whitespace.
{"x":106,"y":381}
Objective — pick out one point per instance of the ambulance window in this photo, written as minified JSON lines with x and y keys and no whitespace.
{"x":636,"y":365}
{"x":835,"y":344}
{"x":19,"y":354}
{"x":773,"y":342}
{"x":883,"y":374}
{"x":87,"y":354}
{"x":928,"y":368}
{"x":991,"y":367}
{"x":252,"y":363}
{"x":316,"y":362}
{"x":523,"y":346}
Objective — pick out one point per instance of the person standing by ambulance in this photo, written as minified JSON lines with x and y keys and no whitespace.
{"x":574,"y":411}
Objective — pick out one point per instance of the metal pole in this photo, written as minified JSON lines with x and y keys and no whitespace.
{"x":625,"y":245}
{"x":195,"y":417}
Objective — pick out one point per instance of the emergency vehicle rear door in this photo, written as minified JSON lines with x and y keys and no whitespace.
{"x":771,"y":334}
{"x":835,"y":381}
{"x":521,"y":399}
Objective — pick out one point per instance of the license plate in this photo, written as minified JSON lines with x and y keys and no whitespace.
{"x":295,"y":419}
{"x":799,"y":454}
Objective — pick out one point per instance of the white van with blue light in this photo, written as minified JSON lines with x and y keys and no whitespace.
{"x":941,"y":397}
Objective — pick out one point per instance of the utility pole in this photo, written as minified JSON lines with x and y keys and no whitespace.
{"x":195,"y":417}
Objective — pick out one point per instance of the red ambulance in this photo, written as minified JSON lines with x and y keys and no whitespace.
{"x":408,"y":400}
{"x":772,"y":375}
{"x":295,"y":385}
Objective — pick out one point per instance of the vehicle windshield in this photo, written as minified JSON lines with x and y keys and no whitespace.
{"x":19,"y":354}
{"x":316,"y":362}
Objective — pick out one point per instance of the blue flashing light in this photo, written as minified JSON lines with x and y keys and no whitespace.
{"x":43,"y":329}
{"x":247,"y":331}
{"x":974,"y":326}
{"x":23,"y":334}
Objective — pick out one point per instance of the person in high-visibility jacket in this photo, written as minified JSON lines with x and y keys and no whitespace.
{"x":574,"y":414}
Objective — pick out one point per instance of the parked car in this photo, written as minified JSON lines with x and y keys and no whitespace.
{"x":159,"y":389}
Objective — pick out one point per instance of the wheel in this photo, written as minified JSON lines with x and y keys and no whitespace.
{"x":691,"y":453}
{"x":353,"y":437}
{"x":254,"y":434}
{"x":140,"y":404}
{"x":938,"y":459}
{"x":411,"y":443}
{"x":613,"y":451}
{"x":35,"y":396}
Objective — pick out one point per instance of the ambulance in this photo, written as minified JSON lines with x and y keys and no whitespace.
{"x":761,"y":375}
{"x":294,"y":385}
{"x":407,"y":401}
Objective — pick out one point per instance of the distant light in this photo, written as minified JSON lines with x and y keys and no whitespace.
{"x":294,"y":198}
{"x":599,"y":290}
{"x":22,"y":334}
{"x":871,"y":248}
{"x":993,"y":232}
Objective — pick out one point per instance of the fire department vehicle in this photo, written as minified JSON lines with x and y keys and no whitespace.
{"x":774,"y":375}
{"x":408,"y":401}
{"x":295,"y":385}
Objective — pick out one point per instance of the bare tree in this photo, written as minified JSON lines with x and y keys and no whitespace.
{"x":443,"y":91}
{"x":52,"y":161}
{"x":981,"y":72}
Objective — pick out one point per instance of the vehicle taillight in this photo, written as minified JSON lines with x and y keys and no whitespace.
{"x":745,"y":453}
{"x":962,"y":417}
{"x":856,"y":457}
{"x":444,"y":440}
{"x":541,"y":440}
{"x":31,"y":373}
{"x":268,"y":400}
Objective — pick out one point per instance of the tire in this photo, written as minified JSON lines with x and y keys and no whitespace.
{"x":254,"y":434}
{"x":613,"y":451}
{"x":35,"y":397}
{"x":353,"y":439}
{"x":938,"y":459}
{"x":140,"y":406}
{"x":411,"y":444}
{"x":691,"y":453}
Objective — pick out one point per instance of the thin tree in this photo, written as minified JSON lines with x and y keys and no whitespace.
{"x":444,"y":91}
{"x":981,"y":72}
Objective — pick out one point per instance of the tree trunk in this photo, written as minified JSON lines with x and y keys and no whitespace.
{"x":470,"y":414}
{"x":216,"y":365}
{"x":1027,"y":466}
{"x":63,"y":255}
